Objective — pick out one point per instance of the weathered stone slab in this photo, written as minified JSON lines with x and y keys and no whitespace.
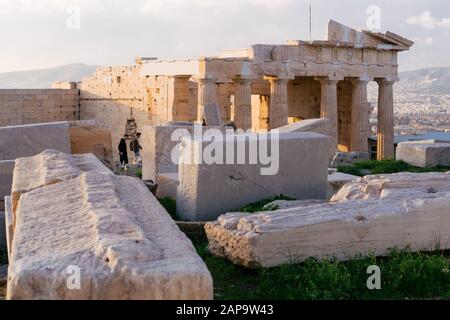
{"x":321,"y":126}
{"x":112,"y":228}
{"x":167,"y":185}
{"x":211,"y":115}
{"x":379,"y":186}
{"x":6,"y":177}
{"x":424,"y":154}
{"x":298,"y":169}
{"x":337,"y":180}
{"x":86,"y":137}
{"x":29,"y":140}
{"x":49,"y":167}
{"x":160,"y":145}
{"x":398,"y":217}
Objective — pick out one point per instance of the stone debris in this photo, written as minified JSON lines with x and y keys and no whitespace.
{"x":370,"y":216}
{"x":337,"y":180}
{"x":73,"y":218}
{"x":29,"y":140}
{"x":425,"y":154}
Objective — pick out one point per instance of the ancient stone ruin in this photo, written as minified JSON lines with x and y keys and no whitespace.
{"x":72,"y":212}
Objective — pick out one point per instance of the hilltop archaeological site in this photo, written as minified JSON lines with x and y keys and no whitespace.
{"x":69,"y":206}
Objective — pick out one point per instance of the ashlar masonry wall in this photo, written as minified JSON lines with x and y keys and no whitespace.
{"x":28,"y":106}
{"x":111,"y":96}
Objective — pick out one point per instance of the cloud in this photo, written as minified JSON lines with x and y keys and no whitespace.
{"x":427,"y":21}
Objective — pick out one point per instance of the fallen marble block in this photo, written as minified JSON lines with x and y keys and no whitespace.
{"x":31,"y":139}
{"x":379,"y":186}
{"x":396,"y":215}
{"x":297,"y":168}
{"x":425,"y":154}
{"x":82,"y":233}
{"x":337,"y":180}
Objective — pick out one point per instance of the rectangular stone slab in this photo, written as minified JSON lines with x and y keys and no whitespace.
{"x":29,"y":140}
{"x":110,"y":230}
{"x":424,"y":154}
{"x":394,"y":217}
{"x":208,"y":190}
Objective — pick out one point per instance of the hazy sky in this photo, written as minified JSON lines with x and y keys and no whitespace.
{"x":46,"y":33}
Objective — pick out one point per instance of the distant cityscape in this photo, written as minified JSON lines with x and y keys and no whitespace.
{"x":422,"y":101}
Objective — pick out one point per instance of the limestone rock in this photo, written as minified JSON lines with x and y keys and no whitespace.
{"x":397,"y":211}
{"x":424,"y":154}
{"x":380,"y":186}
{"x":298,"y":169}
{"x":321,"y":126}
{"x":337,"y":180}
{"x":108,"y":228}
{"x":287,"y":204}
{"x":29,"y":140}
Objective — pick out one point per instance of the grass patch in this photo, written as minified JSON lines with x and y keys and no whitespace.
{"x":361,"y":168}
{"x":259,"y":205}
{"x":170,"y":205}
{"x":404,"y":275}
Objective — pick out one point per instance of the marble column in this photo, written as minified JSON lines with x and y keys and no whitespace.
{"x":278,"y":109}
{"x":243,"y":103}
{"x":385,"y":147}
{"x":206,"y":94}
{"x":360,"y":117}
{"x":328,"y":106}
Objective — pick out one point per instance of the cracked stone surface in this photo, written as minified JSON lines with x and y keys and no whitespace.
{"x":372,"y":215}
{"x":112,"y":228}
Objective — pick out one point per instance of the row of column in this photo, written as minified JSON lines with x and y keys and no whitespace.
{"x":278,"y":111}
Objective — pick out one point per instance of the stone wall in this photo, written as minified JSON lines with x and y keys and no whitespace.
{"x":304,"y":98}
{"x":111,"y":96}
{"x":28,"y":106}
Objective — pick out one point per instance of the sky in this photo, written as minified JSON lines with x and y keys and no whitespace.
{"x":47,"y":33}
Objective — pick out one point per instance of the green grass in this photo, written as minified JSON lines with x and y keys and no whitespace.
{"x":259,"y":206}
{"x":384,"y":167}
{"x":404,"y":275}
{"x":139,"y":173}
{"x":170,"y":205}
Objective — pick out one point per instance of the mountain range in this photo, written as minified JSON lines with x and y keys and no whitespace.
{"x":43,"y":78}
{"x":429,"y":80}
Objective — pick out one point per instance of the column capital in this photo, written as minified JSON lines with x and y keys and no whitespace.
{"x":386,"y":81}
{"x":280,"y":78}
{"x":327,"y":80}
{"x":207,"y":79}
{"x":243,"y":80}
{"x":362,"y":81}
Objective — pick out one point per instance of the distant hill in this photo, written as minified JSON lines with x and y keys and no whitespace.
{"x":43,"y":78}
{"x":430,"y":80}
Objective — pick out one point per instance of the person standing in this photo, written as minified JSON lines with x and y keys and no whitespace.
{"x":135,"y":146}
{"x":123,"y":153}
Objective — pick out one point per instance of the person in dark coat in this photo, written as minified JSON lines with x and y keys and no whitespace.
{"x":123,"y":152}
